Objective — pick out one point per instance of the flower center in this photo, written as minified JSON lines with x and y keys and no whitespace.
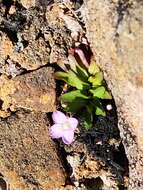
{"x":66,"y":125}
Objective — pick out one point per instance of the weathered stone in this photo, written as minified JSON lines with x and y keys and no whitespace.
{"x":115,"y":32}
{"x":88,"y":169}
{"x":28,"y":3}
{"x":7,"y":66}
{"x":2,"y":9}
{"x":59,"y":35}
{"x":28,"y":158}
{"x":12,"y":10}
{"x":68,"y":187}
{"x":31,"y":57}
{"x":6,"y":46}
{"x":10,"y":68}
{"x":33,"y":38}
{"x":36,"y":54}
{"x":33,"y":91}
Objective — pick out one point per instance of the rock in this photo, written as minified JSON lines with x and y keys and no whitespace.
{"x":28,"y":3}
{"x":28,"y":157}
{"x":68,"y":187}
{"x":88,"y":169}
{"x":12,"y":10}
{"x":115,"y":32}
{"x":6,"y":46}
{"x":2,"y":9}
{"x":33,"y":38}
{"x":59,"y":37}
{"x":36,"y":54}
{"x":33,"y":91}
{"x":31,"y":57}
{"x":11,"y":68}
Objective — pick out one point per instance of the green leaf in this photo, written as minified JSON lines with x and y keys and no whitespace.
{"x":98,"y":92}
{"x":71,"y":96}
{"x":93,"y":68}
{"x":100,"y":111}
{"x":101,"y":93}
{"x":62,"y":76}
{"x":72,"y":79}
{"x":75,"y":105}
{"x":107,"y":95}
{"x":87,"y":124}
{"x":87,"y":118}
{"x":82,"y":73}
{"x":74,"y":100}
{"x":96,"y":80}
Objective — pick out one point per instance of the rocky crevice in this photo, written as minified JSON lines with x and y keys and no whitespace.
{"x":34,"y":35}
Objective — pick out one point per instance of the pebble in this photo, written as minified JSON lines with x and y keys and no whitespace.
{"x":109,"y":107}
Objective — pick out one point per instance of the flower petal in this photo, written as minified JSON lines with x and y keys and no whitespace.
{"x":58,"y":117}
{"x":55,"y":131}
{"x":73,"y":122}
{"x":82,"y":57}
{"x":68,"y":137}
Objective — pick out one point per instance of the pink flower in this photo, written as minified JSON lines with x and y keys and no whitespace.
{"x":64,"y":127}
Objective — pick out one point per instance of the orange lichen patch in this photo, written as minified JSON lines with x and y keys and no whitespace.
{"x":44,"y":99}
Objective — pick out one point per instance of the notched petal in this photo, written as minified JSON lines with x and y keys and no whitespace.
{"x":68,"y":137}
{"x":59,"y":117}
{"x":73,"y":122}
{"x":56,"y":131}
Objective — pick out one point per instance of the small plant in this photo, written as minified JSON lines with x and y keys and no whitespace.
{"x":88,"y":89}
